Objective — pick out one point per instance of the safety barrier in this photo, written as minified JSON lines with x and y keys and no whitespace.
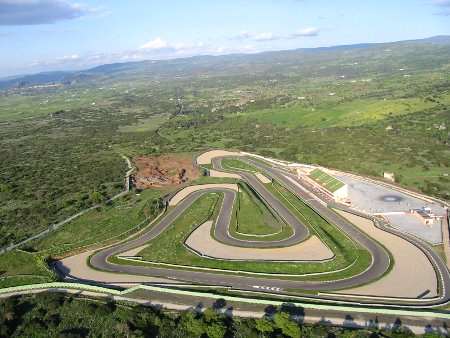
{"x":313,"y":306}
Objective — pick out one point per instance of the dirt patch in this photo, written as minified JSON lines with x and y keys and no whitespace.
{"x":163,"y":171}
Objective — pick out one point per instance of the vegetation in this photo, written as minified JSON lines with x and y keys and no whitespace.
{"x":251,"y":216}
{"x":169,"y":247}
{"x":22,"y":268}
{"x":59,"y":315}
{"x":345,"y":250}
{"x":114,"y":221}
{"x":109,"y":223}
{"x":60,"y":146}
{"x":234,"y":164}
{"x":348,"y":108}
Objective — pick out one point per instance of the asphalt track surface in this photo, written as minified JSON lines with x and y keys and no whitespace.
{"x":300,"y":231}
{"x":380,"y":258}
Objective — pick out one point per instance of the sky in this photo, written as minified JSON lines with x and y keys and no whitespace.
{"x":47,"y":35}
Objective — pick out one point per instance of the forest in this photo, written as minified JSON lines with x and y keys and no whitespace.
{"x":60,"y":315}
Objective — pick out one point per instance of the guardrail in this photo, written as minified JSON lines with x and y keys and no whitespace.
{"x":56,"y":226}
{"x":417,"y":242}
{"x":62,"y":286}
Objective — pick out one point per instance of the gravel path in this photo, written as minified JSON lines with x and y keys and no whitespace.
{"x":201,"y":241}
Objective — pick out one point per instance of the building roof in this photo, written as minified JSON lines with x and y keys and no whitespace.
{"x":329,"y":182}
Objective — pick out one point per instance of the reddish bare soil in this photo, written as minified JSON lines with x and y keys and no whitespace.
{"x":165,"y":170}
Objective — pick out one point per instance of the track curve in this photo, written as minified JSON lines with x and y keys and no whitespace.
{"x":379,"y":265}
{"x":380,"y":258}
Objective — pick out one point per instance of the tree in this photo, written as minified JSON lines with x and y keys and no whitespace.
{"x":263,"y":325}
{"x":219,"y":304}
{"x":152,"y":207}
{"x":96,"y":197}
{"x":287,"y":326}
{"x":192,"y":325}
{"x":210,"y":316}
{"x":216,"y":330}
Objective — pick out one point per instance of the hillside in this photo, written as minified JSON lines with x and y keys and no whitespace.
{"x":365,"y":108}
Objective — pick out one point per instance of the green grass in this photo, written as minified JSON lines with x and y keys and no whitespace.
{"x":233,"y":164}
{"x":145,"y":125}
{"x":170,"y":243}
{"x":168,"y":247}
{"x":109,"y":223}
{"x":51,"y":163}
{"x":208,"y":180}
{"x":16,"y":106}
{"x":344,"y":248}
{"x":252,"y":217}
{"x":20,"y":268}
{"x":333,"y":114}
{"x":327,"y":181}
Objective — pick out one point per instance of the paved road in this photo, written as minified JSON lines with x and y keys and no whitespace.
{"x":300,"y":231}
{"x":438,"y":264}
{"x":379,"y":265}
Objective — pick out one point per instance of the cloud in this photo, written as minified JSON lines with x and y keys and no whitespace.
{"x":308,"y":31}
{"x":69,"y":57}
{"x":38,"y":12}
{"x":242,"y":35}
{"x":159,"y":46}
{"x":264,"y":36}
{"x":155,"y":44}
{"x":269,"y":36}
{"x":155,"y":49}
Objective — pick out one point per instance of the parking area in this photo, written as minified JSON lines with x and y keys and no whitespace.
{"x":376,"y":199}
{"x":409,"y":223}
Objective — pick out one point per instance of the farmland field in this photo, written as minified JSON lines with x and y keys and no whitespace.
{"x":351,"y":109}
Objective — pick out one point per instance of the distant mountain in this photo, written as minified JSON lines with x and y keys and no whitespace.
{"x":440,"y":39}
{"x":225,"y":63}
{"x":34,"y":79}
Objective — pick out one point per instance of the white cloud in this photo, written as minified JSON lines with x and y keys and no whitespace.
{"x":156,"y":49}
{"x":69,"y":57}
{"x":269,"y":36}
{"x":264,"y":36}
{"x":155,"y":44}
{"x":242,"y":35}
{"x":308,"y":31}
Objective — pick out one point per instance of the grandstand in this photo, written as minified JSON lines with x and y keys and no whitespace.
{"x":329,"y":183}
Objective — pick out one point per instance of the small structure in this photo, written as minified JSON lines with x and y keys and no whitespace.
{"x":331,"y":185}
{"x":389,"y":176}
{"x":425,"y":215}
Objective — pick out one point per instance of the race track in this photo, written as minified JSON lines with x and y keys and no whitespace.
{"x":380,"y":257}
